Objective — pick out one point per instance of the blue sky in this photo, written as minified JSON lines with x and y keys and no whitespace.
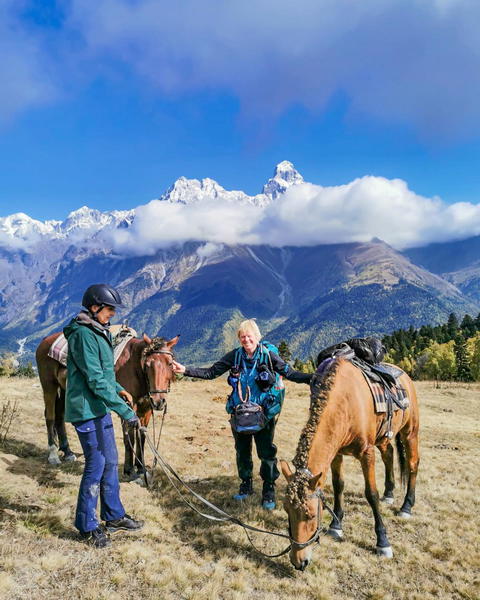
{"x":106,"y":103}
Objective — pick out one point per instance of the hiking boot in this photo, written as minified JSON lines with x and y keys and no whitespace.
{"x":268,"y":495}
{"x":126,"y":523}
{"x":97,"y":538}
{"x":245,"y":490}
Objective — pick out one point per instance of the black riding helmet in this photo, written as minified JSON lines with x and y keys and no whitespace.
{"x":101,"y":294}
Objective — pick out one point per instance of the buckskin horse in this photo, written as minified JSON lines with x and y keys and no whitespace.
{"x":144,"y":369}
{"x":342,"y":421}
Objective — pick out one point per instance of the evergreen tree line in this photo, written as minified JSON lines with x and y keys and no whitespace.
{"x":449,"y":352}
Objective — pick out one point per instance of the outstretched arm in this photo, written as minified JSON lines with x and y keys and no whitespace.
{"x":281,"y":367}
{"x":217,"y":369}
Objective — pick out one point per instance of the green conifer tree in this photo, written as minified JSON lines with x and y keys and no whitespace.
{"x":463,"y":371}
{"x":284,"y":351}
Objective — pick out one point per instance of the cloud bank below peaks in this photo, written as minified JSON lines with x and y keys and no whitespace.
{"x":304,"y":215}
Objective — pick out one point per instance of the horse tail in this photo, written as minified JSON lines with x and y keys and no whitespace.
{"x":402,"y":460}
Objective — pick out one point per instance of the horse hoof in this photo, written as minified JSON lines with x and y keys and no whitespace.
{"x":70,"y":457}
{"x":386,"y":552}
{"x":336,"y":534}
{"x":140,"y":478}
{"x":139,"y":481}
{"x":404,"y":515}
{"x":387,"y":499}
{"x":53,"y":458}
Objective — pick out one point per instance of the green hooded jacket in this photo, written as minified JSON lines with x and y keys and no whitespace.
{"x":92,"y":390}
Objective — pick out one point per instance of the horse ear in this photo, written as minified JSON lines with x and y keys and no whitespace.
{"x":173,"y":341}
{"x":146,"y":339}
{"x":286,"y":470}
{"x":314,"y":481}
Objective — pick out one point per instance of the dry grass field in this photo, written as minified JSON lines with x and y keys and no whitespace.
{"x":180,"y":555}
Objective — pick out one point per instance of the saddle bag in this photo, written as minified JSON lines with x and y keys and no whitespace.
{"x":247,"y":417}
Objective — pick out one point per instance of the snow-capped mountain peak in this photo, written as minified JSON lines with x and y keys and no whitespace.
{"x":285,"y":175}
{"x":20,"y":225}
{"x":192,"y":191}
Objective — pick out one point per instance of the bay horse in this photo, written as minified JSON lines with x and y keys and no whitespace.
{"x":342,"y":421}
{"x":144,"y":369}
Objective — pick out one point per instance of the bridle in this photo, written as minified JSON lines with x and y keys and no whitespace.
{"x":318,"y":493}
{"x":150,"y":392}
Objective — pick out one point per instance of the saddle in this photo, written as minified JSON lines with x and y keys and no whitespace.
{"x":121,"y":334}
{"x":382,"y":378}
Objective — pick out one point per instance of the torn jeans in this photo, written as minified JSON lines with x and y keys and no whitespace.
{"x":100,"y":475}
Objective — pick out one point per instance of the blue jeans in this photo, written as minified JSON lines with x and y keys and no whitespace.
{"x":100,"y":475}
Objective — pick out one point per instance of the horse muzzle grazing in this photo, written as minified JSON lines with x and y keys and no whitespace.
{"x":300,"y":559}
{"x":301,"y":566}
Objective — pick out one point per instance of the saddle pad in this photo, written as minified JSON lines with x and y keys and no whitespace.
{"x":59,"y":349}
{"x":380,"y":401}
{"x":120,"y":341}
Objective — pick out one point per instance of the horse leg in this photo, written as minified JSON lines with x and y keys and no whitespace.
{"x":140,"y":456}
{"x":386,"y":450}
{"x":410,"y":443}
{"x":367,"y":460}
{"x":335,"y":529}
{"x":129,"y":443}
{"x":50,"y":397}
{"x":68,"y":455}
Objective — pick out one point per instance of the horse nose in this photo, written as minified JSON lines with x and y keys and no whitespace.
{"x":158,"y":404}
{"x":303,"y":565}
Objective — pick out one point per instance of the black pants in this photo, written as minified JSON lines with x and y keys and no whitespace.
{"x":266,"y":451}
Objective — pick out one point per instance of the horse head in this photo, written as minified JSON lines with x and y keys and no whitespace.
{"x":157,"y":357}
{"x":303,"y":504}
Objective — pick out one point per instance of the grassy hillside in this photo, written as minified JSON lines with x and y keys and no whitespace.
{"x":180,"y":556}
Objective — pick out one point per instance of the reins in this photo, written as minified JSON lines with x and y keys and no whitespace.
{"x":223,"y":516}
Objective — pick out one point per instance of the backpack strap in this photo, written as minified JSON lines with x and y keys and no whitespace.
{"x":268,"y":361}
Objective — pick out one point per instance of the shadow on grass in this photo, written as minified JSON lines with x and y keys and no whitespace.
{"x":32,"y":462}
{"x":213,"y":538}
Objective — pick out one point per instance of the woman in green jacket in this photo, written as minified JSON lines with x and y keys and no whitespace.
{"x":92,"y":392}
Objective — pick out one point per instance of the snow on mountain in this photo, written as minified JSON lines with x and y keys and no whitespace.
{"x":22,"y":226}
{"x":190,"y":191}
{"x":87,"y":219}
{"x":21,"y":231}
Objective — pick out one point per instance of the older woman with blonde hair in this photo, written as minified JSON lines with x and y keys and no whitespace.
{"x":255,"y":403}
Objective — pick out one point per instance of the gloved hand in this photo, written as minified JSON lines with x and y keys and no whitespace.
{"x":133,"y":422}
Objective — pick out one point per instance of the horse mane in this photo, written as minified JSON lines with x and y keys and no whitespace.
{"x":321,"y":384}
{"x":157,"y":344}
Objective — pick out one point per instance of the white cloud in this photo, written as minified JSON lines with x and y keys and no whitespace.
{"x":25,"y":71}
{"x":404,"y":61}
{"x":305,"y":215}
{"x":414,"y":62}
{"x":161,"y":224}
